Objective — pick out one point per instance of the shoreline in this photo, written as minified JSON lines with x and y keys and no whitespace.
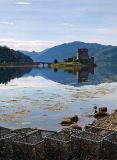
{"x":107,"y":122}
{"x":93,"y":143}
{"x":18,"y":65}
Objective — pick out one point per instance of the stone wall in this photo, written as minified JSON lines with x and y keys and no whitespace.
{"x":92,"y":144}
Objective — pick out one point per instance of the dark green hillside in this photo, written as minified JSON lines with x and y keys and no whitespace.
{"x":8,"y":55}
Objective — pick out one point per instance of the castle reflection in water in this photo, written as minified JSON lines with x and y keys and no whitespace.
{"x":82,"y":76}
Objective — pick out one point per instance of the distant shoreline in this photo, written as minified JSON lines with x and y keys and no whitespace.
{"x":21,"y":65}
{"x":17,"y":65}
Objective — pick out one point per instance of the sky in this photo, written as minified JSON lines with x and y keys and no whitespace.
{"x":40,"y":24}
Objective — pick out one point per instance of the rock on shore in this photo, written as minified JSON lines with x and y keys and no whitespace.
{"x":109,"y":122}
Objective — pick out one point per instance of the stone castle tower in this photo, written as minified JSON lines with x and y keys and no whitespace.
{"x":82,"y":54}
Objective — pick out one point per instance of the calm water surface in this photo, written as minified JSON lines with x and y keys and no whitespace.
{"x":37,"y":97}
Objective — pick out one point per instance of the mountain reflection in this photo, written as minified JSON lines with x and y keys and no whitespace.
{"x":68,"y":76}
{"x":7,"y":74}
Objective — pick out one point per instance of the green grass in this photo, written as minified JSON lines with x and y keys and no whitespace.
{"x":67,"y":65}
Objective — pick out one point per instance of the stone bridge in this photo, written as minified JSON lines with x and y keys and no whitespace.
{"x":41,"y":63}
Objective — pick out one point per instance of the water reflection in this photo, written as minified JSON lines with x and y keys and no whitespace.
{"x":7,"y":74}
{"x":42,"y":97}
{"x":69,"y":76}
{"x":64,"y":76}
{"x":81,"y":75}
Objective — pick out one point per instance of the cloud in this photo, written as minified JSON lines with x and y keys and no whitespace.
{"x":7,"y":23}
{"x":35,"y":45}
{"x":23,"y":3}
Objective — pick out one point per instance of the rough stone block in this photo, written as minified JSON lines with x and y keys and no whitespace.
{"x":109,"y":147}
{"x":31,"y":146}
{"x":57,"y":146}
{"x":84,"y":144}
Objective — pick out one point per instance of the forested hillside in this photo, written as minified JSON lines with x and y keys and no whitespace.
{"x":8,"y":55}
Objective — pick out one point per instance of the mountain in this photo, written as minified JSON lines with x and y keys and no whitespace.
{"x":8,"y":55}
{"x":66,"y":50}
{"x":107,"y":55}
{"x":34,"y":55}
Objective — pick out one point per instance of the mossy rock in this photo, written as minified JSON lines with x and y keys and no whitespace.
{"x":76,"y":127}
{"x":74,"y":118}
{"x":95,"y":107}
{"x":103,"y":109}
{"x":100,"y":114}
{"x":67,"y":123}
{"x":89,"y":115}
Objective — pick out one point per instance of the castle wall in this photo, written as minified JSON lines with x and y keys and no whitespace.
{"x":82,"y":55}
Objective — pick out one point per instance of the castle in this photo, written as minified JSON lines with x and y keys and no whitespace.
{"x":81,"y":56}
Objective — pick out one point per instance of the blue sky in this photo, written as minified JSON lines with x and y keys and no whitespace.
{"x":39,"y":24}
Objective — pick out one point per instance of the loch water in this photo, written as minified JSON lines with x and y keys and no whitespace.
{"x":42,"y":97}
